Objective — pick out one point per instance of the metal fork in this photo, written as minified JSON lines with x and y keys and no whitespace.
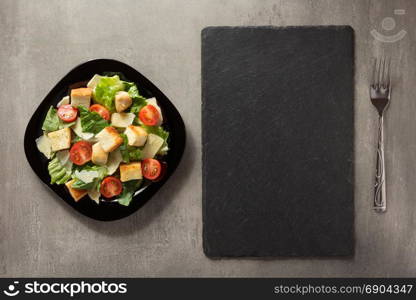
{"x":380,"y":91}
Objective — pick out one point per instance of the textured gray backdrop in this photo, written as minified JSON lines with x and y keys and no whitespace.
{"x":41,"y":40}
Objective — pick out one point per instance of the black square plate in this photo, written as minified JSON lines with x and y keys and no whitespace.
{"x":105,"y":211}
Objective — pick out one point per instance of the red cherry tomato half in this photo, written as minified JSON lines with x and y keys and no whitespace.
{"x":80,"y":153}
{"x":101,"y":110}
{"x":110,"y":187}
{"x":151,"y":168}
{"x":149,"y":115}
{"x":67,"y":113}
{"x":162,"y":172}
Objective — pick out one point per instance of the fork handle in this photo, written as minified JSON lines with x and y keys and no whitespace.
{"x":380,"y":184}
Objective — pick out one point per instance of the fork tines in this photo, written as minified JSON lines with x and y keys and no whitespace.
{"x":381,"y":73}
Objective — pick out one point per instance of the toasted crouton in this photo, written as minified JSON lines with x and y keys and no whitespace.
{"x":130,"y":171}
{"x":81,"y":92}
{"x":75,"y":193}
{"x":136,"y":135}
{"x":122,"y":120}
{"x":109,"y":139}
{"x":122,"y":101}
{"x":60,"y":139}
{"x":99,"y":156}
{"x":81,"y":96}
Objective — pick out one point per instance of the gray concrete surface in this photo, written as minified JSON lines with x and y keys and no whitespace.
{"x":41,"y":40}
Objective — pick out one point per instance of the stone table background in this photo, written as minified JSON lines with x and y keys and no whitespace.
{"x":42,"y":40}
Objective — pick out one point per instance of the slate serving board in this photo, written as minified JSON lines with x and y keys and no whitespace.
{"x":277,"y":137}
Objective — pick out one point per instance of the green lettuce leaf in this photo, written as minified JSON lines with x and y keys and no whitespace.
{"x":79,"y":184}
{"x":158,"y":130}
{"x":133,"y":91}
{"x":129,"y":153}
{"x":106,"y":89}
{"x":129,"y":188}
{"x":138,"y":100}
{"x":75,"y":139}
{"x":135,"y":154}
{"x":52,"y":122}
{"x":91,"y":121}
{"x":137,"y":105}
{"x":123,"y":149}
{"x":102,"y":170}
{"x":59,"y":174}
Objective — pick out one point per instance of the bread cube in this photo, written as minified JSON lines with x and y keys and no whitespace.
{"x":75,"y":193}
{"x":81,"y":96}
{"x":130,"y":171}
{"x":122,"y":101}
{"x":109,"y":139}
{"x":136,"y":135}
{"x":122,"y":120}
{"x":60,"y":139}
{"x":99,"y":156}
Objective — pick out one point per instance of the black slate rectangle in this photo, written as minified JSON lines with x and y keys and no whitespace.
{"x":277,"y":137}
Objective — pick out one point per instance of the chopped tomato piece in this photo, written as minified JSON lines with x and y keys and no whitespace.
{"x":151,"y":168}
{"x":110,"y":187}
{"x":80,"y":153}
{"x":149,"y":115}
{"x":101,"y":110}
{"x":162,"y":172}
{"x":67,"y":113}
